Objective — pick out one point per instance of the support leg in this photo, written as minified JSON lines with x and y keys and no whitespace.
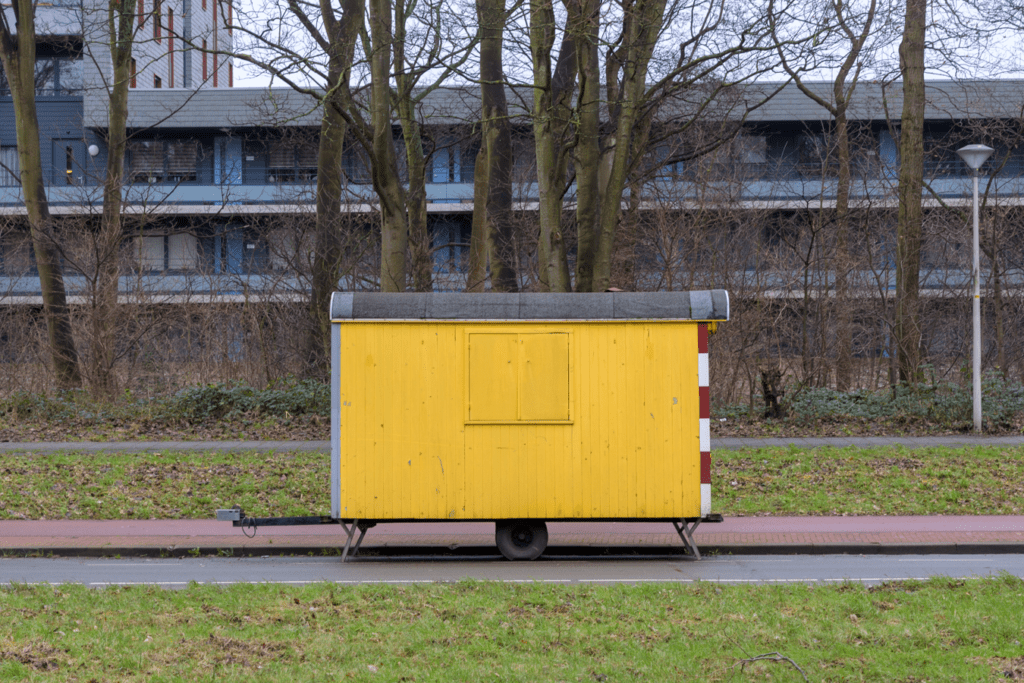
{"x":686,"y":534}
{"x":350,"y":530}
{"x":359,"y":541}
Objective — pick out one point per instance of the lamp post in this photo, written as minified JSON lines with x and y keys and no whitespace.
{"x":974,"y":156}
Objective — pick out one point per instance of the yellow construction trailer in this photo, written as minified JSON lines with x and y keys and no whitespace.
{"x":522,"y":408}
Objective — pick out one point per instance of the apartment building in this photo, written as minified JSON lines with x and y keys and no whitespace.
{"x":211,"y":169}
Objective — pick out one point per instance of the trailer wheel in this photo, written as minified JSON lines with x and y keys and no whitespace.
{"x":521,"y":539}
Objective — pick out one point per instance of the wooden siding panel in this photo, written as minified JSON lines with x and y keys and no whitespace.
{"x":629,"y":450}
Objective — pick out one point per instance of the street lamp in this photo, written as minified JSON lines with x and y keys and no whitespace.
{"x":974,"y":156}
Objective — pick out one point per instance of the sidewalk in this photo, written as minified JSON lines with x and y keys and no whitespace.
{"x":738,"y":536}
{"x":730,"y":443}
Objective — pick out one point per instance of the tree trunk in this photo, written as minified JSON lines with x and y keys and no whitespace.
{"x":911,"y":177}
{"x":476,"y":277}
{"x":419,"y":235}
{"x":841,"y":265}
{"x":394,"y":223}
{"x":327,"y":256}
{"x":550,"y":131}
{"x":496,"y":146}
{"x":120,"y":35}
{"x":327,"y":251}
{"x":584,"y":25}
{"x":838,"y":106}
{"x":18,"y":57}
{"x":639,"y":36}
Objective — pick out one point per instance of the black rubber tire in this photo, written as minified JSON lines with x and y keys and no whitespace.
{"x":521,"y":539}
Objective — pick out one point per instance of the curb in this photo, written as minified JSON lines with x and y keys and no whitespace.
{"x":552,"y":552}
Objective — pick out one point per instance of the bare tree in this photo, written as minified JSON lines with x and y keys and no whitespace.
{"x":119,"y":27}
{"x":852,"y":27}
{"x":908,"y":232}
{"x":493,"y":172}
{"x":18,"y":58}
{"x":300,"y":42}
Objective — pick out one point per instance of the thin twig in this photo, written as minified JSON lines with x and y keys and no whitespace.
{"x":771,"y":657}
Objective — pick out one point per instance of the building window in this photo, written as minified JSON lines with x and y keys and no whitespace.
{"x":156,"y":81}
{"x":289,"y":161}
{"x":157,"y":19}
{"x":152,"y":253}
{"x":205,"y":74}
{"x":10,"y":173}
{"x":53,"y":76}
{"x":940,"y":157}
{"x":133,"y":83}
{"x":69,"y":165}
{"x":450,"y":236}
{"x":817,"y":156}
{"x":142,"y":13}
{"x":451,"y":163}
{"x":160,"y":161}
{"x":354,"y":165}
{"x":231,"y":75}
{"x":666,"y":159}
{"x":161,"y":253}
{"x":234,"y":251}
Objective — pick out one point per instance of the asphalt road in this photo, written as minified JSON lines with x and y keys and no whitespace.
{"x":178,"y":573}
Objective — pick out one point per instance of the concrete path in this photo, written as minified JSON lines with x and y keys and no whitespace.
{"x":737,"y":535}
{"x":325,"y":446}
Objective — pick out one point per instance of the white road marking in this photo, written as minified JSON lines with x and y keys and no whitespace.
{"x":132,"y":564}
{"x":974,"y":559}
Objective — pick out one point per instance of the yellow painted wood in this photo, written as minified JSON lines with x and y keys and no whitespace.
{"x":544,"y":376}
{"x":490,"y":420}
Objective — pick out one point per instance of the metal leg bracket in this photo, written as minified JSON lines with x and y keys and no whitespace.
{"x":350,"y":531}
{"x":685,"y":531}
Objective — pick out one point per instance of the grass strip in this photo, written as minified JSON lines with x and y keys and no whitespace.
{"x":777,"y":481}
{"x":942,"y":629}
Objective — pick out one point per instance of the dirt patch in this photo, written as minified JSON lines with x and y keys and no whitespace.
{"x":38,"y":656}
{"x":225,"y":651}
{"x":1005,"y":668}
{"x":1011,"y":669}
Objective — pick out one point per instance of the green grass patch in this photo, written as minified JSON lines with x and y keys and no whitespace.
{"x":162,"y":486}
{"x":778,"y":481}
{"x":943,"y":629}
{"x":870,"y":481}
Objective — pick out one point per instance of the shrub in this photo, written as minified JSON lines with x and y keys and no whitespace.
{"x":216,"y":401}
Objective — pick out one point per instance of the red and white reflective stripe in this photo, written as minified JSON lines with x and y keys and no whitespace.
{"x":703,"y":389}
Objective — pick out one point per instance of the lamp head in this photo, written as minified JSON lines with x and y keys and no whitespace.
{"x":975,"y":155}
